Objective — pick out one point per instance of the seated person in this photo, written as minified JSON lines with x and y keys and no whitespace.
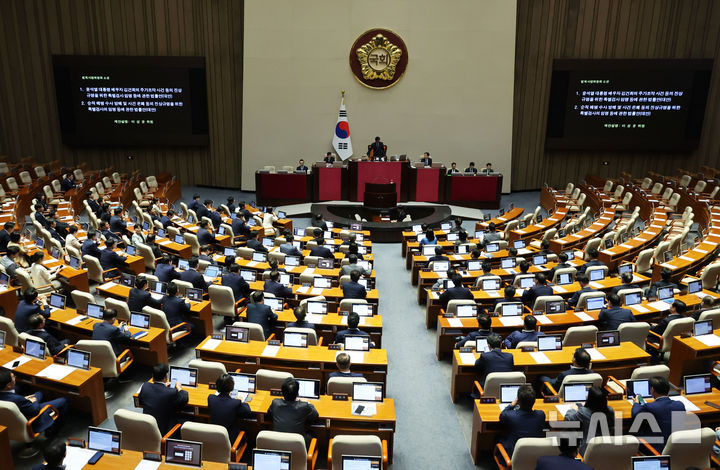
{"x":166,"y":220}
{"x":329,"y":158}
{"x":426,"y":159}
{"x":164,"y":269}
{"x":584,"y":287}
{"x":204,"y":236}
{"x":661,"y":409}
{"x":626,"y":279}
{"x":593,"y":254}
{"x":37,"y":329}
{"x":9,"y":261}
{"x":225,"y":410}
{"x":320,"y":250}
{"x":288,"y":414}
{"x":107,"y":331}
{"x":494,"y":360}
{"x":30,"y":304}
{"x":140,"y":296}
{"x":233,"y":280}
{"x":529,"y":333}
{"x":458,"y":291}
{"x":175,"y":308}
{"x":580,"y":365}
{"x":613,"y":315}
{"x":486,"y":270}
{"x":665,"y":281}
{"x":439,"y":255}
{"x":677,"y":311}
{"x":117,"y":224}
{"x":90,"y":245}
{"x":566,"y":460}
{"x":300,"y":322}
{"x":491,"y":235}
{"x":206,"y":254}
{"x":54,"y":454}
{"x":508,"y":296}
{"x":595,"y":408}
{"x":108,"y":258}
{"x":301,"y":166}
{"x":273,"y":286}
{"x":30,"y":405}
{"x":255,"y":242}
{"x":193,"y":276}
{"x":471,"y":168}
{"x":343,"y":364}
{"x":354,"y":249}
{"x":288,"y":248}
{"x":520,"y":420}
{"x":429,"y":238}
{"x":353,"y":266}
{"x":538,"y":290}
{"x":545,"y":248}
{"x":488,"y":170}
{"x":353,"y":289}
{"x":524,"y":268}
{"x":138,"y":235}
{"x":453,"y":169}
{"x":161,"y":400}
{"x":707,"y":303}
{"x":258,"y":312}
{"x":352,"y":322}
{"x":484,"y":322}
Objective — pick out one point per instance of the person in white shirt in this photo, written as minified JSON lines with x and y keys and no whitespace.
{"x":138,"y":236}
{"x":71,"y":238}
{"x":42,"y":276}
{"x":268,"y":219}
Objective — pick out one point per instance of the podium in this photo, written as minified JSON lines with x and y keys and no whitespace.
{"x":380,"y":196}
{"x":362,"y":172}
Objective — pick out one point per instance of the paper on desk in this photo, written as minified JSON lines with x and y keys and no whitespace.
{"x":564,"y":408}
{"x":314,"y":318}
{"x":511,"y":271}
{"x":457,"y":257}
{"x":369,"y":410}
{"x":467,"y":358}
{"x":687,"y":258}
{"x":21,"y":360}
{"x":147,"y":465}
{"x":271,"y":351}
{"x":540,"y":358}
{"x":316,"y":291}
{"x":689,"y":406}
{"x":303,"y":289}
{"x":106,"y":286}
{"x":559,"y":289}
{"x":583,"y":316}
{"x":700,"y":250}
{"x":164,"y":242}
{"x":156,"y":296}
{"x":659,"y":305}
{"x":667,"y":265}
{"x":595,"y":355}
{"x":455,"y":322}
{"x":76,"y":458}
{"x":355,"y":356}
{"x":639,"y":308}
{"x":441,"y":274}
{"x":709,"y":340}
{"x":543,"y":319}
{"x":309,"y":270}
{"x":55,"y":371}
{"x":75,"y":320}
{"x":596,"y":285}
{"x":212,"y":343}
{"x":251,"y":264}
{"x":511,"y":321}
{"x":524,"y":251}
{"x":625,"y":245}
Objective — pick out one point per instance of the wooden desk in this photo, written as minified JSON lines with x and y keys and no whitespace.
{"x":619,"y":361}
{"x":537,"y":230}
{"x":333,"y":295}
{"x":690,"y":356}
{"x":169,"y":246}
{"x":314,"y":362}
{"x":9,"y":300}
{"x":129,"y":459}
{"x":576,"y":240}
{"x":5,"y":451}
{"x":626,"y":251}
{"x":83,"y":389}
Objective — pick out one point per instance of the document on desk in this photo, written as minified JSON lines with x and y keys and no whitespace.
{"x":700,"y":250}
{"x":543,"y":319}
{"x":559,"y":289}
{"x":686,"y":258}
{"x":107,"y":285}
{"x":303,"y":289}
{"x":75,"y":320}
{"x":595,"y":355}
{"x":20,"y":361}
{"x":317,"y":291}
{"x":441,"y":274}
{"x":689,"y":406}
{"x":524,"y":251}
{"x":270,"y":351}
{"x":583,"y":316}
{"x":251,"y":264}
{"x":511,"y":321}
{"x":309,"y":270}
{"x":315,"y":319}
{"x":709,"y":340}
{"x":356,"y":357}
{"x":540,"y":358}
{"x":639,"y":308}
{"x":156,"y":296}
{"x":457,"y":257}
{"x":511,"y":271}
{"x":147,"y":465}
{"x":455,"y":322}
{"x":55,"y":371}
{"x":659,"y":305}
{"x":369,"y":408}
{"x":625,"y":245}
{"x":467,"y":359}
{"x":211,"y":344}
{"x":596,"y":285}
{"x":165,"y":242}
{"x":76,"y":458}
{"x":564,"y":408}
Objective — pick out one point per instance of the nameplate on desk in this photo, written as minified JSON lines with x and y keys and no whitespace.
{"x":527,"y":348}
{"x":237,"y":466}
{"x":217,"y":336}
{"x":552,"y":399}
{"x":273,"y":342}
{"x":152,"y":456}
{"x":488,"y":400}
{"x":340,"y":396}
{"x":275,"y":392}
{"x":212,"y":386}
{"x":335,"y":347}
{"x":467,"y":349}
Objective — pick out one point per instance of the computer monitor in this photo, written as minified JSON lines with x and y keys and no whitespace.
{"x":368,"y":391}
{"x":428,"y":250}
{"x":466,"y":311}
{"x":508,"y":263}
{"x":511,"y":309}
{"x":127,"y":280}
{"x":181,"y":452}
{"x":555,"y":306}
{"x":286,"y":279}
{"x":664,"y":293}
{"x":193,"y":294}
{"x":639,"y":387}
{"x":660,"y":462}
{"x":54,"y":253}
{"x":39,"y":242}
{"x":570,"y":254}
{"x":474,"y":265}
{"x":275,"y":303}
{"x":75,"y":263}
{"x":161,"y":233}
{"x":130,"y":250}
{"x":538,"y":218}
{"x":78,"y":359}
{"x":519,"y":244}
{"x":549,"y":342}
{"x":363,"y":310}
{"x":576,"y":391}
{"x":417,"y":228}
{"x":4,"y":279}
{"x":440,"y":266}
{"x":292,"y":260}
{"x":140,"y":320}
{"x":608,"y":338}
{"x":481,"y":345}
{"x":508,"y":392}
{"x":694,"y":286}
{"x":259,"y":257}
{"x":324,"y":263}
{"x":244,"y":383}
{"x":608,"y":243}
{"x":271,"y":459}
{"x":295,"y":339}
{"x":229,"y":251}
{"x":594,"y":303}
{"x":327,"y":235}
{"x":451,"y":237}
{"x":703,"y":328}
{"x":57,"y":300}
{"x":158,"y":287}
{"x":322,"y":282}
{"x":356,"y":226}
{"x":309,"y":388}
{"x":490,"y":284}
{"x":34,"y":348}
{"x":527,"y":282}
{"x":667,"y":256}
{"x":239,"y":334}
{"x":492,"y":247}
{"x":597,"y":274}
{"x":539,"y":260}
{"x":361,"y":462}
{"x":104,"y":440}
{"x":95,"y":311}
{"x":694,"y":384}
{"x":316,"y":307}
{"x":299,"y":231}
{"x":564,"y":279}
{"x":212,"y":271}
{"x":186,"y":376}
{"x":446,"y":226}
{"x":249,"y":275}
{"x":357,"y":343}
{"x":179,"y":239}
{"x":268,"y":242}
{"x":625,"y":268}
{"x":183,"y":264}
{"x":632,"y":298}
{"x":2,"y":339}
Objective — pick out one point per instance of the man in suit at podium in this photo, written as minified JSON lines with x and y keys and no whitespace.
{"x":426,"y":159}
{"x":301,"y":166}
{"x":453,"y":169}
{"x":488,"y":170}
{"x":329,"y":158}
{"x":471,"y":168}
{"x":377,"y":150}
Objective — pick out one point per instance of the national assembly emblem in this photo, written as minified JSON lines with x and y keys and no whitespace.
{"x":378,"y":58}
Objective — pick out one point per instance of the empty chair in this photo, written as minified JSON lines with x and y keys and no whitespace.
{"x":208,"y":371}
{"x":222,"y":301}
{"x":12,"y":337}
{"x":303,"y":458}
{"x":577,"y":335}
{"x":644,"y":261}
{"x":159,"y":320}
{"x":592,"y":243}
{"x":690,"y":448}
{"x":646,"y":183}
{"x":20,"y":428}
{"x":594,"y":378}
{"x":103,"y":357}
{"x":40,"y":172}
{"x":608,"y":186}
{"x":494,"y":379}
{"x":625,"y":203}
{"x":215,"y":440}
{"x":713,"y":314}
{"x":346,"y":304}
{"x":657,"y":188}
{"x":270,"y":379}
{"x":25,"y":177}
{"x":578,"y":206}
{"x":140,"y":431}
{"x":342,"y":384}
{"x":685,"y":181}
{"x":635,"y":332}
{"x":526,"y":453}
{"x":569,"y":189}
{"x":700,"y":186}
{"x":191,"y":239}
{"x":255,"y":331}
{"x":662,"y":344}
{"x":710,"y":275}
{"x":611,"y":452}
{"x":147,"y":255}
{"x":365,"y":445}
{"x":12,"y":185}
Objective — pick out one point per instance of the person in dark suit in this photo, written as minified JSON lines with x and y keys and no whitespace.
{"x":661,"y":410}
{"x":488,"y":170}
{"x":353,"y":289}
{"x":104,"y":229}
{"x":321,"y":250}
{"x":109,"y":259}
{"x":258,"y":312}
{"x":665,"y":281}
{"x":240,"y":227}
{"x":329,"y":158}
{"x":580,"y":366}
{"x":166,"y":220}
{"x":520,"y":420}
{"x":593,"y":254}
{"x":471,"y":168}
{"x":353,"y":265}
{"x":107,"y":331}
{"x":8,"y":228}
{"x":193,"y":276}
{"x":707,"y":303}
{"x":204,"y":237}
{"x":377,"y":149}
{"x":203,"y":210}
{"x":426,"y":159}
{"x":117,"y":224}
{"x":494,"y":360}
{"x":584,"y":287}
{"x":352,"y":322}
{"x":225,"y":410}
{"x":626,"y":279}
{"x":52,"y":228}
{"x":256,"y":242}
{"x":458,"y":291}
{"x":539,"y":289}
{"x":273,"y":286}
{"x":676,"y":312}
{"x":30,"y":304}
{"x":301,"y":166}
{"x":214,"y":217}
{"x":30,"y":405}
{"x":175,"y":308}
{"x":140,"y":296}
{"x":319,"y":222}
{"x":39,"y":216}
{"x":231,"y":204}
{"x":612,"y":317}
{"x":343,"y":361}
{"x":453,"y":170}
{"x":93,"y":204}
{"x":439,"y":255}
{"x":233,"y":280}
{"x":566,"y":460}
{"x":300,"y":321}
{"x":508,"y":296}
{"x":90,"y":246}
{"x":37,"y":329}
{"x":54,"y":454}
{"x":290,"y":415}
{"x":194,"y":205}
{"x":529,"y":333}
{"x":67,"y":183}
{"x":483,"y":330}
{"x":165,"y":271}
{"x":288,"y":248}
{"x":162,"y":401}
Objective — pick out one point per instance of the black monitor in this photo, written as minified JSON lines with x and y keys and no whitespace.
{"x":694,"y":286}
{"x":703,"y":328}
{"x":639,"y":387}
{"x":596,"y":274}
{"x":57,"y":301}
{"x":244,"y":383}
{"x":555,"y":306}
{"x":608,"y":338}
{"x":549,"y":342}
{"x":181,"y":452}
{"x":196,"y":295}
{"x":237,"y":333}
{"x":127,"y":279}
{"x":357,"y":343}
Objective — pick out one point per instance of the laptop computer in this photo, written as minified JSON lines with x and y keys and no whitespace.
{"x":555,"y":306}
{"x":259,"y":257}
{"x":492,"y":247}
{"x":316,"y":307}
{"x":511,"y":309}
{"x":508,"y":263}
{"x":183,"y":264}
{"x":466,"y":311}
{"x":625,"y":268}
{"x":594,"y":303}
{"x":248,"y":275}
{"x":34,"y":348}
{"x":237,"y":333}
{"x":57,"y":301}
{"x":95,"y":311}
{"x":563,"y":279}
{"x":127,"y":280}
{"x":140,"y":320}
{"x":694,"y":384}
{"x":665,"y":294}
{"x":368,"y":391}
{"x":490,"y":284}
{"x":527,"y":282}
{"x":440,"y":266}
{"x":309,"y":388}
{"x":78,"y":359}
{"x":195,"y":295}
{"x":322,"y":282}
{"x":597,"y":275}
{"x":703,"y":328}
{"x":275,"y":303}
{"x":357,"y":343}
{"x":295,"y":339}
{"x":186,"y":453}
{"x":519,"y":244}
{"x":632,"y":298}
{"x":539,"y":260}
{"x":576,"y":392}
{"x":243,"y":383}
{"x":608,"y":338}
{"x":474,"y":265}
{"x":694,"y":286}
{"x":361,"y":462}
{"x":661,"y":462}
{"x":363,"y":310}
{"x":549,"y":342}
{"x":638,"y":387}
{"x":292,"y":260}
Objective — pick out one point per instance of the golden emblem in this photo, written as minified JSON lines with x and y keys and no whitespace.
{"x":379,"y":58}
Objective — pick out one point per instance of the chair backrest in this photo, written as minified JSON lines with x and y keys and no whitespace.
{"x":245,"y":252}
{"x":582,"y":300}
{"x":222,"y":300}
{"x":343,"y":384}
{"x":623,"y":292}
{"x":344,"y":444}
{"x":294,"y":443}
{"x":577,"y":335}
{"x":592,"y":243}
{"x":11,"y":334}
{"x":95,"y":271}
{"x":700,"y":186}
{"x":256,"y":332}
{"x":709,"y":276}
{"x":520,"y":277}
{"x":312,"y":335}
{"x":159,"y":320}
{"x":611,"y":452}
{"x":307,"y":278}
{"x":191,"y":239}
{"x":540,"y":301}
{"x":453,"y":304}
{"x":346,"y":304}
{"x":102,"y":356}
{"x":643,"y":263}
{"x":676,"y":328}
{"x":208,"y":371}
{"x":713,"y":315}
{"x":645,"y":372}
{"x":569,"y":188}
{"x":595,"y":379}
{"x":646,"y":183}
{"x":140,"y":431}
{"x":182,"y":285}
{"x":690,"y":448}
{"x":608,"y":186}
{"x":311,"y":260}
{"x":40,"y":172}
{"x":596,"y":268}
{"x":635,"y":332}
{"x":269,"y":379}
{"x":528,"y":449}
{"x":14,"y":421}
{"x":11,"y":184}
{"x":657,"y":188}
{"x":685,"y":180}
{"x":557,"y":273}
{"x":120,"y":306}
{"x":667,"y":193}
{"x":25,"y":177}
{"x":495,"y":379}
{"x":215,"y":440}
{"x":147,"y":254}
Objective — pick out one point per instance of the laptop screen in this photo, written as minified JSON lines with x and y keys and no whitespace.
{"x":519,"y":244}
{"x":286,"y":279}
{"x":295,"y":339}
{"x":597,"y":274}
{"x":481,"y":345}
{"x":576,"y":392}
{"x":368,"y":391}
{"x":492,"y":247}
{"x":661,"y":462}
{"x":539,"y":260}
{"x":633,"y":298}
{"x":694,"y":287}
{"x":237,"y":333}
{"x":511,"y":309}
{"x":697,"y":384}
{"x":95,"y":311}
{"x":317,"y":308}
{"x":292,"y":260}
{"x":361,"y":462}
{"x":228,"y":251}
{"x":2,"y":339}
{"x":549,"y":343}
{"x":508,"y":263}
{"x":608,"y":338}
{"x":462,"y":249}
{"x":309,"y":388}
{"x":703,"y":328}
{"x":299,"y":231}
{"x":57,"y":300}
{"x":466,"y":311}
{"x":527,"y":282}
{"x":363,"y":310}
{"x":595,"y":303}
{"x":158,"y":287}
{"x":183,"y":264}
{"x":130,"y":250}
{"x":357,"y":343}
{"x":665,"y":293}
{"x":322,"y":282}
{"x":161,"y":233}
{"x":508,"y":392}
{"x":212,"y":271}
{"x":451,"y":237}
{"x":555,"y":306}
{"x":78,"y":359}
{"x":324,"y":263}
{"x":140,"y":320}
{"x":244,"y":383}
{"x":428,"y":250}
{"x":183,"y":452}
{"x":75,"y":262}
{"x":638,"y":387}
{"x":35,"y":348}
{"x":271,"y":459}
{"x":259,"y":257}
{"x":625,"y":268}
{"x":274,"y":303}
{"x":127,"y":279}
{"x":179,"y":239}
{"x":195,"y":295}
{"x":248,"y":275}
{"x":474,"y":265}
{"x":104,"y":440}
{"x":609,"y":243}
{"x":564,"y":279}
{"x":187,"y":376}
{"x":440,"y":266}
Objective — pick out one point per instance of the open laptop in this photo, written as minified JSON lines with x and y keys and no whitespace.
{"x":127,"y":280}
{"x":694,"y":286}
{"x":2,"y":339}
{"x":75,"y":263}
{"x":527,"y":282}
{"x":451,"y":237}
{"x":196,"y":295}
{"x":440,"y":266}
{"x":140,"y":320}
{"x":638,"y":387}
{"x":625,"y":268}
{"x":249,"y":275}
{"x":361,"y":462}
{"x":315,"y":307}
{"x":286,"y":279}
{"x":78,"y":359}
{"x":633,"y":298}
{"x":512,"y":309}
{"x":694,"y":384}
{"x":474,"y":265}
{"x":576,"y":392}
{"x":309,"y":388}
{"x":659,"y":462}
{"x":608,"y":338}
{"x":428,"y":250}
{"x":186,"y":453}
{"x":492,"y":247}
{"x":549,"y":342}
{"x":539,"y":260}
{"x":322,"y":282}
{"x":57,"y":301}
{"x":597,"y":275}
{"x":295,"y":339}
{"x":508,"y":263}
{"x":508,"y":392}
{"x":292,"y":260}
{"x":594,"y":303}
{"x":275,"y":303}
{"x":183,"y":264}
{"x":519,"y":244}
{"x":211,"y":272}
{"x":271,"y":459}
{"x":104,"y":440}
{"x":563,"y":279}
{"x":187,"y":376}
{"x":259,"y":257}
{"x":243,"y":383}
{"x":237,"y":333}
{"x":665,"y":294}
{"x":490,"y":284}
{"x":95,"y":311}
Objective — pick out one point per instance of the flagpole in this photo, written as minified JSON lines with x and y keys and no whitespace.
{"x":343,"y":96}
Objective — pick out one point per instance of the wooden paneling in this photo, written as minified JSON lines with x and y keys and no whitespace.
{"x":31,"y":31}
{"x":548,"y":29}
